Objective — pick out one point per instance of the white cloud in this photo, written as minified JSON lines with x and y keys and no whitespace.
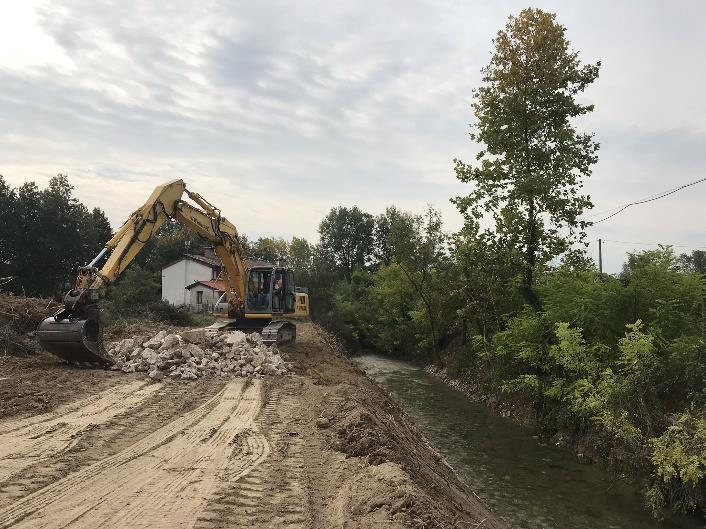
{"x":24,"y":45}
{"x":277,"y":111}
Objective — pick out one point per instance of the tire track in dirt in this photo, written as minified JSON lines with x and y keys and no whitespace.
{"x":37,"y":439}
{"x":162,"y":480}
{"x":170,"y":401}
{"x":274,"y":494}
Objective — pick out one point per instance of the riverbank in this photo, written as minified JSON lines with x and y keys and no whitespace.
{"x":532,"y":483}
{"x":323,"y":447}
{"x":589,"y":446}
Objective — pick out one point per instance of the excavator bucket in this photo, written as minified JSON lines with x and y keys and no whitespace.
{"x":76,"y":340}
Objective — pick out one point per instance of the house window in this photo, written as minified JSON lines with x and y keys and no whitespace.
{"x":199,"y":297}
{"x":214,"y":273}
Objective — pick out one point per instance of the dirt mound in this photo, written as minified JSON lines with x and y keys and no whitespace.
{"x":385,"y":494}
{"x":194,"y":353}
{"x":382,"y":469}
{"x":360,"y":435}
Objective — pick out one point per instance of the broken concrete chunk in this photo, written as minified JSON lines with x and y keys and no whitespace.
{"x":235,"y":337}
{"x":189,"y":374}
{"x":170,"y":341}
{"x":195,"y":336}
{"x":126,"y":346}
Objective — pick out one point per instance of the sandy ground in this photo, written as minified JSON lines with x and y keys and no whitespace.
{"x":322,"y":448}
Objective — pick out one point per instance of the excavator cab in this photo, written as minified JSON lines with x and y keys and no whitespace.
{"x":270,"y":290}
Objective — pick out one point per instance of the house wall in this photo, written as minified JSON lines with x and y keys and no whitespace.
{"x":177,"y":276}
{"x":210,"y":297}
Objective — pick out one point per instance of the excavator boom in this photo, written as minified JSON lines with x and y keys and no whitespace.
{"x":74,"y":332}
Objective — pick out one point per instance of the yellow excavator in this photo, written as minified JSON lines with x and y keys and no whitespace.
{"x":257,"y":297}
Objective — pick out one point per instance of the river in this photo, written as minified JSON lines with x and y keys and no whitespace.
{"x":530,"y":484}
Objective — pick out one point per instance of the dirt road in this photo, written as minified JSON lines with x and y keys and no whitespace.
{"x":324,"y":448}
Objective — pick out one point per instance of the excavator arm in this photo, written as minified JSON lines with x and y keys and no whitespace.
{"x":74,"y":332}
{"x":210,"y":225}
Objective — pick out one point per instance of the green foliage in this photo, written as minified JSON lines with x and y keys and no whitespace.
{"x":532,"y":160}
{"x":355,"y":317}
{"x":136,"y":290}
{"x":301,"y":256}
{"x":662,"y":295}
{"x":46,"y":235}
{"x":621,"y":387}
{"x":588,"y":300}
{"x":403,"y":302}
{"x":274,"y":250}
{"x":488,"y":270}
{"x":137,"y":296}
{"x":679,"y":460}
{"x":347,"y":234}
{"x":169,"y":244}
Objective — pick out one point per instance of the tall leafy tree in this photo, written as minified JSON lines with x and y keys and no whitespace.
{"x":418,"y":247}
{"x":347,"y":233}
{"x":300,"y":257}
{"x":530,"y":171}
{"x":382,"y":251}
{"x":49,"y":235}
{"x":270,"y":249}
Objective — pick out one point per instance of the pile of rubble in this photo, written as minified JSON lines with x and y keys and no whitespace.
{"x":193,"y":354}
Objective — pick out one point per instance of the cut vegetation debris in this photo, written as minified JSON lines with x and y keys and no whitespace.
{"x":22,"y":314}
{"x":18,"y":317}
{"x":195,"y":353}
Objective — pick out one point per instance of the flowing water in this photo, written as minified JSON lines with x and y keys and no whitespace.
{"x":529,"y":483}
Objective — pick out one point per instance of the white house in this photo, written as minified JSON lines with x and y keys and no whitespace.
{"x":203,"y":295}
{"x":193,"y":280}
{"x":189,"y":269}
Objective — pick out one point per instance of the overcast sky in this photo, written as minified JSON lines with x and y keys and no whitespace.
{"x":278,"y":110}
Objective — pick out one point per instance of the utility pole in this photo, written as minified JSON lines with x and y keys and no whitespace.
{"x":600,"y":256}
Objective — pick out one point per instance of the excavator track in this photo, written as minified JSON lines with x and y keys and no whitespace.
{"x":280,"y":333}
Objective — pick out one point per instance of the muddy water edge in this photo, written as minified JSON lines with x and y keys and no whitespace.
{"x":530,"y":484}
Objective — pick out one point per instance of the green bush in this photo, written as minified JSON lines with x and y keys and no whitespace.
{"x":679,"y":461}
{"x":137,"y":297}
{"x":620,"y":388}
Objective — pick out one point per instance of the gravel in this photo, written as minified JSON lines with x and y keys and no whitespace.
{"x":193,"y":354}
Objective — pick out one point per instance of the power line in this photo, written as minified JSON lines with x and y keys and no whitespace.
{"x":609,"y":210}
{"x":650,"y":199}
{"x":656,"y":244}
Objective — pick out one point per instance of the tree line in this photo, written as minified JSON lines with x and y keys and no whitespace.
{"x":45,"y":235}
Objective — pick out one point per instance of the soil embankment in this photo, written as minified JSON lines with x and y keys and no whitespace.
{"x":321,"y":448}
